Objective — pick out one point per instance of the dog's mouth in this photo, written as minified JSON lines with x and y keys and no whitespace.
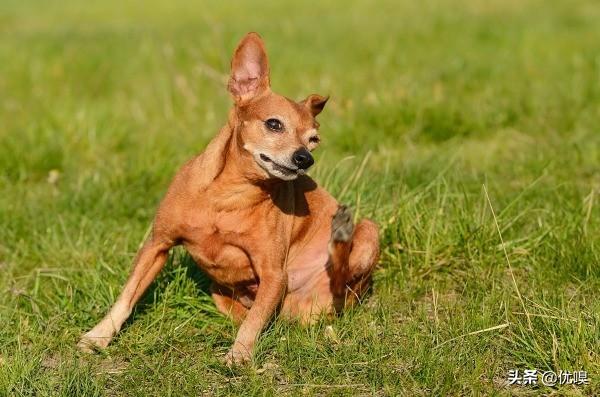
{"x":279,"y":170}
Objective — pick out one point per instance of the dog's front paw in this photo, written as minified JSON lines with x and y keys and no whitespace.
{"x":236,"y":356}
{"x":91,"y":342}
{"x":341,"y":225}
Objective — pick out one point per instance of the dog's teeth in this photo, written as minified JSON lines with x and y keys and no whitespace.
{"x":301,"y":172}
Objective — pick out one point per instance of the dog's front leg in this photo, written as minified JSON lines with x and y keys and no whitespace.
{"x":149,"y":261}
{"x":270,"y":291}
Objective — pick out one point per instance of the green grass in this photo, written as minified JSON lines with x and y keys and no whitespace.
{"x":432,"y":99}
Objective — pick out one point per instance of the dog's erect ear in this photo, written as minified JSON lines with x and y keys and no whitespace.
{"x":249,"y":69}
{"x":315,"y":103}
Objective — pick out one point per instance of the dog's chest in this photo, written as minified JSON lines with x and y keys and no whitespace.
{"x":224,"y":244}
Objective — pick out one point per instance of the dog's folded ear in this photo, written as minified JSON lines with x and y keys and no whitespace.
{"x":315,"y":103}
{"x":249,"y":69}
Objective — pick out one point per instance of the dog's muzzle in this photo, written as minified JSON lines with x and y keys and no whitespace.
{"x":302,"y":159}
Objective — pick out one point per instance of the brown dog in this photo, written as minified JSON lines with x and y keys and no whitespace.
{"x":261,"y":229}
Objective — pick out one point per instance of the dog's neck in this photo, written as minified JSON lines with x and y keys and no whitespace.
{"x":241,"y":185}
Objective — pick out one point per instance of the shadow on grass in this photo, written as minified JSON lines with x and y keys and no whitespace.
{"x":180,"y":265}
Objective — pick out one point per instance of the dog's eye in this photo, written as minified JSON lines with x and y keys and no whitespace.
{"x":274,"y":125}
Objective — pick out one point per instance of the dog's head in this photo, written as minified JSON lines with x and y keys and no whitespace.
{"x":277,"y":132}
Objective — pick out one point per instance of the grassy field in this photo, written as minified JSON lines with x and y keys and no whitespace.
{"x":441,"y":111}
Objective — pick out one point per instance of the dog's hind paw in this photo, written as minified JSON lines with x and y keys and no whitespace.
{"x":341,"y":225}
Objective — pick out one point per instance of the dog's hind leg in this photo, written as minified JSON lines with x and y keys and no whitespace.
{"x":340,"y":244}
{"x":148,"y":263}
{"x":363,"y":259}
{"x":354,"y":252}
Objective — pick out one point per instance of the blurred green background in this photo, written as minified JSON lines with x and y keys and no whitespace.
{"x":101,"y":102}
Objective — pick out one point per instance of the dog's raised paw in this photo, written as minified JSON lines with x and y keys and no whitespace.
{"x":341,"y":225}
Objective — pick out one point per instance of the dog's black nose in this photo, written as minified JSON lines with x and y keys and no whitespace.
{"x":302,"y":158}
